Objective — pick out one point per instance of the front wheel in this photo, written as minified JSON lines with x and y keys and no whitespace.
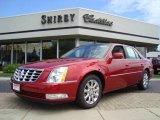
{"x":143,"y":85}
{"x":89,"y":92}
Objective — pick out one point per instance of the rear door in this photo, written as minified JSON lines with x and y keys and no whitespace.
{"x":135,"y":66}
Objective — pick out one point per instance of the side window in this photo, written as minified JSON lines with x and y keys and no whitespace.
{"x":137,"y":55}
{"x":131,"y":53}
{"x":119,"y":49}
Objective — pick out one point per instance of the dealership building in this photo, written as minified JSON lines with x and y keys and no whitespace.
{"x":46,"y":35}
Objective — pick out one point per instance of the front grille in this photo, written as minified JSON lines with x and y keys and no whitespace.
{"x":27,"y":74}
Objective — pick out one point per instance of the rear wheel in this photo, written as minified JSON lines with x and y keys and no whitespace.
{"x":143,"y":85}
{"x":89,"y":92}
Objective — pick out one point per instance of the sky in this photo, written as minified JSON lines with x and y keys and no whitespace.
{"x":142,"y":10}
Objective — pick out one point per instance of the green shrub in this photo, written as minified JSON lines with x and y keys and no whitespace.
{"x":10,"y":68}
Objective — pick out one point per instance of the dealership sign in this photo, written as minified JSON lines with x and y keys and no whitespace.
{"x":90,"y":19}
{"x":45,"y":19}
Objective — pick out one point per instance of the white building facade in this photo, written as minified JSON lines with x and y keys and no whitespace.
{"x":40,"y":36}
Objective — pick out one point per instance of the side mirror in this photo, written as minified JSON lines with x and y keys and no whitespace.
{"x":118,"y":55}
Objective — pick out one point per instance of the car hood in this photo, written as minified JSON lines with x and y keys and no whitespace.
{"x":57,"y":62}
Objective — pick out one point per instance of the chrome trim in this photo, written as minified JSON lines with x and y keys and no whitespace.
{"x":125,"y":74}
{"x":70,"y":81}
{"x":74,"y":81}
{"x":27,"y":74}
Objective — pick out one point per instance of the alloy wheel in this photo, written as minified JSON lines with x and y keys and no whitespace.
{"x":91,"y":91}
{"x":145,"y":80}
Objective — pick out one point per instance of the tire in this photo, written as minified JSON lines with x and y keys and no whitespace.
{"x":143,"y":85}
{"x":89,"y":92}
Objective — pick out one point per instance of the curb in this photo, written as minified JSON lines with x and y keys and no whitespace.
{"x":155,"y":79}
{"x":4,"y":78}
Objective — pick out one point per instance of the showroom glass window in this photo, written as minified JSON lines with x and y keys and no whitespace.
{"x":49,"y":49}
{"x":5,"y":54}
{"x":33,"y":51}
{"x":142,"y":50}
{"x":102,"y":42}
{"x":65,"y":45}
{"x":85,"y":42}
{"x":18,"y":53}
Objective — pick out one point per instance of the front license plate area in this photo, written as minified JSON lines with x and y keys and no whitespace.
{"x":16,"y":87}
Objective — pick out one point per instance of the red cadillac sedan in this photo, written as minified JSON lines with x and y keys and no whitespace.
{"x":83,"y":74}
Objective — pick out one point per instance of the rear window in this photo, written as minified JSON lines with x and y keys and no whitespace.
{"x":131,"y":54}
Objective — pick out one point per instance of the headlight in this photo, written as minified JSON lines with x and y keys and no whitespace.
{"x":57,"y":75}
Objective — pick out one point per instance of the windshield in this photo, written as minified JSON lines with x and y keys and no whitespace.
{"x":88,"y":51}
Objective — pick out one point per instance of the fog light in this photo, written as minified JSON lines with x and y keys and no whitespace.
{"x":56,"y":96}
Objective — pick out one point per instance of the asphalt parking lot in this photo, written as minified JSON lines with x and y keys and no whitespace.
{"x":129,"y":103}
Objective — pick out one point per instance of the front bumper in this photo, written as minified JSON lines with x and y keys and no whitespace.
{"x":37,"y":91}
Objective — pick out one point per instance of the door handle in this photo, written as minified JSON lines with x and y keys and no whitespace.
{"x":127,"y":65}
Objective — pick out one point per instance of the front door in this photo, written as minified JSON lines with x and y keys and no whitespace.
{"x":117,"y":71}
